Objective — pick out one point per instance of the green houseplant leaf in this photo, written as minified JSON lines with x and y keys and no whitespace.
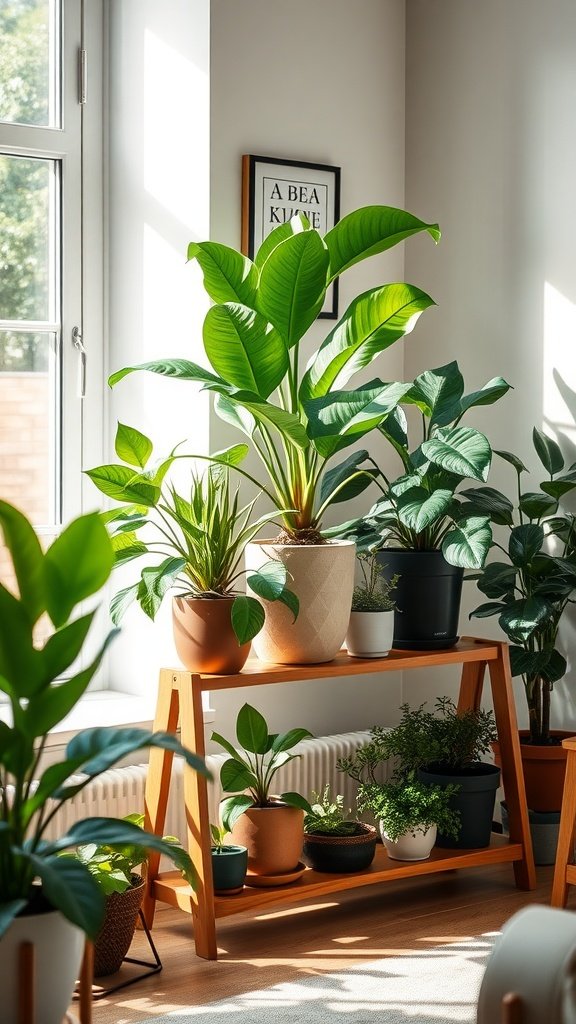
{"x":368,"y":231}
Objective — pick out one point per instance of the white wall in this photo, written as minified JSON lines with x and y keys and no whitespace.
{"x":491,"y":154}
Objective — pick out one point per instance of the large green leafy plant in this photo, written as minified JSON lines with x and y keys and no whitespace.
{"x":531,"y":588}
{"x":54,"y":584}
{"x":200,"y":536}
{"x":297,"y":421}
{"x":421,"y":510}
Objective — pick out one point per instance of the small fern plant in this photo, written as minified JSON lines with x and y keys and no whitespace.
{"x":373,"y":594}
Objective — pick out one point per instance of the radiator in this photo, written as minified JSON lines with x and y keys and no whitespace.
{"x":120,"y":791}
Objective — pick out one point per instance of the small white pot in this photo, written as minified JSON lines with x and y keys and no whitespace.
{"x":411,"y":846}
{"x":370,"y":634}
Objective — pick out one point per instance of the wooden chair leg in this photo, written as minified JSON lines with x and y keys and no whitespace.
{"x":564,"y":853}
{"x":86,"y":979}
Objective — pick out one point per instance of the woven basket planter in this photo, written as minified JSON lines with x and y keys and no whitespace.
{"x":115,"y":936}
{"x":341,"y":853}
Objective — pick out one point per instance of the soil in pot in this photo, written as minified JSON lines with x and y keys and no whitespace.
{"x":332,"y":853}
{"x":273,"y":837}
{"x":427,"y":598}
{"x":229,"y":866}
{"x":116,"y":934}
{"x":204,"y":638}
{"x":474,"y":802}
{"x":544,"y":770}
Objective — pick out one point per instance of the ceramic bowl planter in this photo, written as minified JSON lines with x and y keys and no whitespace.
{"x":341,"y":854}
{"x":204,"y":638}
{"x":370,"y":634}
{"x":322,"y":577}
{"x":229,"y":866}
{"x":427,"y":598}
{"x":273,"y":837}
{"x":474,"y":802}
{"x":414,"y":845}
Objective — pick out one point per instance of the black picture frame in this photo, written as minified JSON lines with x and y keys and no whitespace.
{"x":274,"y":189}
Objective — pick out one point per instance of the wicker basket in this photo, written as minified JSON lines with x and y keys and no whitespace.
{"x":115,"y":936}
{"x":341,"y":853}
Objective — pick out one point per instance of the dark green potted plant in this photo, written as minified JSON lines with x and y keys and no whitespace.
{"x":371,"y":627}
{"x":229,"y":863}
{"x":50,"y":900}
{"x":428,"y":534}
{"x":269,"y":826}
{"x":200,"y":538}
{"x":529,"y":586}
{"x":334,"y":842}
{"x":298,"y":420}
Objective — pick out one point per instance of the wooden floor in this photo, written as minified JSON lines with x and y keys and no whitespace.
{"x":260,"y":950}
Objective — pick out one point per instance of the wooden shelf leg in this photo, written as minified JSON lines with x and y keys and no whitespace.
{"x":511,"y":763}
{"x":564,"y":853}
{"x":86,"y":979}
{"x":471,"y":685}
{"x":158,"y":781}
{"x":197,"y":817}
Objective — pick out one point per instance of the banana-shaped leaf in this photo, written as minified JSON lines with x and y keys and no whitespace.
{"x":368,"y":231}
{"x":293,"y":285}
{"x":418,"y":509}
{"x":461,"y":450}
{"x":244,"y":348}
{"x":235,"y":415}
{"x":293,"y":226}
{"x":372,"y":322}
{"x":468,"y":544}
{"x":180,"y":369}
{"x":487,"y":395}
{"x":340,"y":418}
{"x":287,"y":423}
{"x":228,"y":275}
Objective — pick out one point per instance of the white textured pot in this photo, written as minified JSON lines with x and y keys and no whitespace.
{"x":322,"y":577}
{"x":417,"y":846}
{"x":370,"y":634}
{"x":58,"y":949}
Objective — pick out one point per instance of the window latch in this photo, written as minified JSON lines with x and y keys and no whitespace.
{"x":79,"y":346}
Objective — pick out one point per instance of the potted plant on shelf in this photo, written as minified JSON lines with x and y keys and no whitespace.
{"x":427,"y":533}
{"x":332,"y":841}
{"x":298,"y":421}
{"x":270,"y":827}
{"x":50,"y":900}
{"x":200,"y":538}
{"x":229,"y":863}
{"x":371,"y":627}
{"x":529,"y":588}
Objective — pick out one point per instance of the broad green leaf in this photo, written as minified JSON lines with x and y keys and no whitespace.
{"x":251,"y":730}
{"x":293,"y":226}
{"x":235,"y":415}
{"x":233,"y":808}
{"x":180,"y":369}
{"x":269,"y":581}
{"x":343,"y":476}
{"x":123,"y":484}
{"x":295,"y":800}
{"x":287,"y":423}
{"x":548,"y":451}
{"x":121,"y":602}
{"x":247,"y":617}
{"x":484,"y":611}
{"x":292,"y":602}
{"x":27,"y":559}
{"x":372,"y":322}
{"x":512,"y":459}
{"x":228,"y":275}
{"x":461,"y":450}
{"x":244,"y":348}
{"x":489,"y":501}
{"x":76,"y":565}
{"x":368,"y":231}
{"x":438,"y":392}
{"x":418,"y":509}
{"x":217,"y":738}
{"x":288,"y":740}
{"x":556,"y":667}
{"x":535,"y":505}
{"x":20,"y":663}
{"x":70,"y":888}
{"x":523,"y":617}
{"x":64,"y":646}
{"x":468,"y":544}
{"x":127,"y":547}
{"x":525,"y":543}
{"x":155,"y":583}
{"x":236,"y":777}
{"x":498,"y":579}
{"x":491,"y":392}
{"x":132,"y":446}
{"x":558,"y":488}
{"x":293,"y":285}
{"x":232,"y":456}
{"x":340,"y":418}
{"x":527,"y":663}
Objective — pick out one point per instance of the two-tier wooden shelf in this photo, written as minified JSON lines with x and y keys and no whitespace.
{"x":180,"y":704}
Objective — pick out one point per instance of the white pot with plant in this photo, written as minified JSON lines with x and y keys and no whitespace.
{"x":371,"y":627}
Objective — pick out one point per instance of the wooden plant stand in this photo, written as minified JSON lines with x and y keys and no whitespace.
{"x":28,"y":997}
{"x":180,"y":703}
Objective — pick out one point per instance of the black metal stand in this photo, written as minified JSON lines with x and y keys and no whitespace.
{"x":99,"y":992}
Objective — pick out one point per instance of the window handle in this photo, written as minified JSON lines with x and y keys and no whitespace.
{"x":79,"y":346}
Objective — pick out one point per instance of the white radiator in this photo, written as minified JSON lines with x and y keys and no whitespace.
{"x":120,"y":791}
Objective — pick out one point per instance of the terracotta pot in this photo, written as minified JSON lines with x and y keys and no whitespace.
{"x":544,"y":771}
{"x":204,"y":638}
{"x":322,"y":577}
{"x":273,"y":837}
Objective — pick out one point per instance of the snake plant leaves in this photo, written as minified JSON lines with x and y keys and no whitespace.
{"x":244,"y":349}
{"x":460,"y":450}
{"x":372,"y":322}
{"x":179,"y":369}
{"x":293,"y":285}
{"x":368,"y":231}
{"x":228,"y":275}
{"x":418,"y":509}
{"x":132,"y":446}
{"x":525,"y":543}
{"x":468,"y":544}
{"x":293,"y":226}
{"x":22,"y":542}
{"x":524,"y":616}
{"x":342,"y":417}
{"x":548,"y":452}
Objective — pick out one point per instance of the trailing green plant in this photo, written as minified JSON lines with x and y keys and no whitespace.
{"x":54,"y":585}
{"x":254,"y":766}
{"x":328,"y":816}
{"x":114,"y":867}
{"x":373,"y":594}
{"x":421,"y":510}
{"x":530,"y":587}
{"x":410,"y":807}
{"x":297,"y":421}
{"x":200,"y":537}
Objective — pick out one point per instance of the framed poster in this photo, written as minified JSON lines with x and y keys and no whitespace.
{"x":275,"y":190}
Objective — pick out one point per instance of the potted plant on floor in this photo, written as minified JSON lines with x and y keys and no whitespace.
{"x":200,"y":538}
{"x":529,"y":587}
{"x":269,"y":826}
{"x":297,"y":421}
{"x":371,"y":627}
{"x":50,"y":900}
{"x":334,"y":842}
{"x":229,"y":863}
{"x":427,"y":533}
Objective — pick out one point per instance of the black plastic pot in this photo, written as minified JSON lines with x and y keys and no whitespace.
{"x":474,"y":801}
{"x":229,"y":866}
{"x":340,"y":853}
{"x":427,"y":598}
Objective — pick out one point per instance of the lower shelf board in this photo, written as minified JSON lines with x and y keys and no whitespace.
{"x":171,"y":888}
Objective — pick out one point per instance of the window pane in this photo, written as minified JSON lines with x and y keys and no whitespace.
{"x":29,"y":58}
{"x":28,"y":435}
{"x":27,"y":238}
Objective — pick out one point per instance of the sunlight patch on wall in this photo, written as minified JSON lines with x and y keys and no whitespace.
{"x":559,"y":368}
